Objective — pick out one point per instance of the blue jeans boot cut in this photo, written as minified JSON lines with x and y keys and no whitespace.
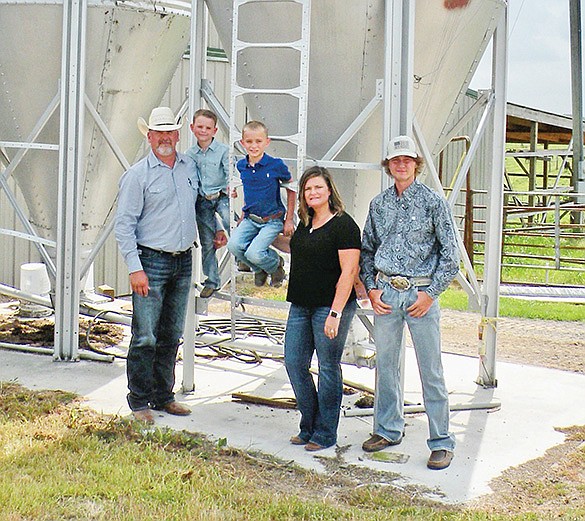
{"x":250,"y":243}
{"x":426,"y":337}
{"x":319,"y":407}
{"x":206,"y":225}
{"x":158,"y":321}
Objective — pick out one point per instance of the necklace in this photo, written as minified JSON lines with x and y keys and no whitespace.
{"x":323,"y":223}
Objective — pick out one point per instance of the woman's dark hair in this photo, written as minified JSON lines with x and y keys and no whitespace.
{"x":335,"y":203}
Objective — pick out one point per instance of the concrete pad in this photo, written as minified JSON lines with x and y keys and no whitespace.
{"x":533,"y":402}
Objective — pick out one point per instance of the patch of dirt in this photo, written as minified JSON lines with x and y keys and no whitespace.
{"x":552,"y":487}
{"x":40,"y":332}
{"x":545,"y":343}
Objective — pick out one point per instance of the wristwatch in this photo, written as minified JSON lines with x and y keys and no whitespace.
{"x":335,"y":314}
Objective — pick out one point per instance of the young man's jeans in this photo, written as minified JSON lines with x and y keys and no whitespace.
{"x":426,"y":337}
{"x":206,"y":225}
{"x":157,"y":326}
{"x":305,"y":334}
{"x":250,"y":243}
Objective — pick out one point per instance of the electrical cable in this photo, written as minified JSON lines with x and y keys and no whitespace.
{"x":91,"y":347}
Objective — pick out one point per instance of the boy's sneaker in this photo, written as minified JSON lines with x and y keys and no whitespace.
{"x":279,"y":275}
{"x":260,"y":278}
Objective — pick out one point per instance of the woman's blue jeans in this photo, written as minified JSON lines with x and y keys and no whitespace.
{"x":206,"y":225}
{"x":426,"y":337}
{"x":158,"y":321}
{"x":319,"y":407}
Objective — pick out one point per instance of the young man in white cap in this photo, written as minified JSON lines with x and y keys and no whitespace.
{"x":155,"y":230}
{"x":409,"y":256}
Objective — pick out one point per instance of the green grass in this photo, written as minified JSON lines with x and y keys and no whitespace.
{"x":61,"y":461}
{"x":455,"y":298}
{"x":516,"y":266}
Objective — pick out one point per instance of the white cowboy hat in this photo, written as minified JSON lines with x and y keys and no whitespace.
{"x":161,"y":119}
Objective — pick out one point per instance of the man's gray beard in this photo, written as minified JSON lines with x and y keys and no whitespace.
{"x":165,"y":150}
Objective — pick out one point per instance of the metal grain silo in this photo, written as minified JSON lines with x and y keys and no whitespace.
{"x":348,"y":45}
{"x":131,"y":53}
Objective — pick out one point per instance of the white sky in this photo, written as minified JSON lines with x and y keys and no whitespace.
{"x":539,"y":56}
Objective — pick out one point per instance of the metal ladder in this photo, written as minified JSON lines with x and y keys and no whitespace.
{"x":300,"y":92}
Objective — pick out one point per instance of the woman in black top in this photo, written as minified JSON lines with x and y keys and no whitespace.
{"x":325,"y":251}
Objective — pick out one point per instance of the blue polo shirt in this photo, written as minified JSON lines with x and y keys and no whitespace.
{"x":261,"y":184}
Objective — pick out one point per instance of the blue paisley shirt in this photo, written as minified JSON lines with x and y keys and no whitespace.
{"x":412,"y":235}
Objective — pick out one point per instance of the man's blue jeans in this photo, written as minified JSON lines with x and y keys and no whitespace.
{"x":426,"y":337}
{"x":250,"y":243}
{"x":206,"y":225}
{"x":157,"y":326}
{"x":320,"y":407}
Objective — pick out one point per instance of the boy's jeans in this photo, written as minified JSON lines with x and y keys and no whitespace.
{"x":425,"y":334}
{"x":206,"y":225}
{"x":250,"y":243}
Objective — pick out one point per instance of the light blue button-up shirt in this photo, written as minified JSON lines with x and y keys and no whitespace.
{"x":412,"y":235}
{"x":214,"y":166}
{"x":156,"y":207}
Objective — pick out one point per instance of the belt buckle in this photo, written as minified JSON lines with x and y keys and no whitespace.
{"x":400,"y":283}
{"x":256,"y":218}
{"x":212,"y":197}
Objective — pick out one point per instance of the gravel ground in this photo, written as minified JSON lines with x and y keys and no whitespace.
{"x":547,"y":343}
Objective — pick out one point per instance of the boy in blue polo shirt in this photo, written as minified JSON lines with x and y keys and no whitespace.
{"x":212,"y":158}
{"x":263,"y":214}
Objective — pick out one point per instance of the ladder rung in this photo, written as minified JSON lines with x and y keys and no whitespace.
{"x":240,"y":44}
{"x":295,"y":91}
{"x":292,"y":138}
{"x":239,"y":3}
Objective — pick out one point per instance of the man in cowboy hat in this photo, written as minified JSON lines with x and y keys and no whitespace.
{"x":155,"y":230}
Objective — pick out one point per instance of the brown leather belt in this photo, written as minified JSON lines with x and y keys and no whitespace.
{"x":262,"y":220}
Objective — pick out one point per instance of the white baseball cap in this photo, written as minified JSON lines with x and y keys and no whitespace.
{"x":401,"y":146}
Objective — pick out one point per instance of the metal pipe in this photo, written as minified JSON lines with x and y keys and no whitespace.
{"x":462,"y":174}
{"x":39,"y":350}
{"x":412,"y":409}
{"x":577,"y":94}
{"x":71,"y":167}
{"x":493,"y":246}
{"x":197,"y":62}
{"x":21,"y":295}
{"x":109,"y":316}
